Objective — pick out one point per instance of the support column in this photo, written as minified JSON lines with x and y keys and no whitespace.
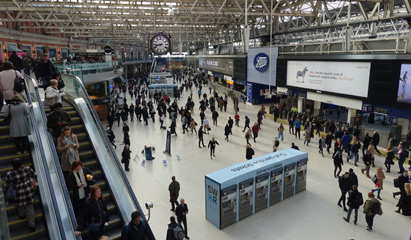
{"x":404,"y":123}
{"x":300,"y":105}
{"x":351,"y":114}
{"x":317,"y":106}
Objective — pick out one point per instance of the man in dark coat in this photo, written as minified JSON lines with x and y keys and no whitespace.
{"x":170,"y":230}
{"x":181,"y":212}
{"x":174,"y":189}
{"x":344,"y":184}
{"x":249,"y":152}
{"x":366,"y":143}
{"x":45,"y":70}
{"x":126,"y":157}
{"x":135,"y":229}
{"x":17,"y":62}
{"x":376,"y":141}
{"x":58,"y":119}
{"x":353,"y":203}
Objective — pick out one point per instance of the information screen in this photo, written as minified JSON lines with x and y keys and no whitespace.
{"x":404,"y":85}
{"x":350,"y":78}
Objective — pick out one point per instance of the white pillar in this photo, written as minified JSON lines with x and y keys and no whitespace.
{"x":317,"y":106}
{"x":351,"y":113}
{"x":300,"y":105}
{"x":404,"y":123}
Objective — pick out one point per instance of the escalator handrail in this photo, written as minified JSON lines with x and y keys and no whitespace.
{"x":45,"y":168}
{"x":56,"y":160}
{"x":113,"y":153}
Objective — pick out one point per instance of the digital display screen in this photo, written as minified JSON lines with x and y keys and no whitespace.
{"x":404,"y":85}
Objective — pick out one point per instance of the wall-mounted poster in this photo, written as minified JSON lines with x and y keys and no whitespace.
{"x":404,"y":84}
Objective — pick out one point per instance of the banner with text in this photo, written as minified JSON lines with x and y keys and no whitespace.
{"x":351,"y":78}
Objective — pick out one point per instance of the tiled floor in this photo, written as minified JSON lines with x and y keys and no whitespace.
{"x":312,"y":214}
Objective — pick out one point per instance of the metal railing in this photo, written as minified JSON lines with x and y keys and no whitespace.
{"x":116,"y":178}
{"x":62,"y":203}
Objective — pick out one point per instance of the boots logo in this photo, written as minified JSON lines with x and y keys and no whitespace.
{"x":261,"y":62}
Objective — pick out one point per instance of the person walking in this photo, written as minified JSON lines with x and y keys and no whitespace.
{"x":79,"y":181}
{"x":19,"y":126}
{"x":365,"y":143}
{"x":111,"y":136}
{"x":291,"y":125}
{"x":193,"y":126}
{"x":344,"y":184}
{"x":355,"y":201}
{"x":246,"y":123}
{"x":338,"y":162}
{"x":255,"y":129}
{"x":402,"y":155}
{"x":181,"y":213}
{"x":211,"y":145}
{"x":389,"y":160}
{"x":248,"y":136}
{"x":249,"y":152}
{"x":321,"y":144}
{"x":200,"y":137}
{"x":276,"y":144}
{"x":227,"y":131}
{"x":380,"y":179}
{"x":206,"y":126}
{"x":230,"y":124}
{"x":68,"y":145}
{"x":355,"y":148}
{"x":337,"y":147}
{"x":328,"y":141}
{"x":174,"y":230}
{"x":372,"y":207}
{"x":367,"y":163}
{"x":376,"y":141}
{"x":281,"y":132}
{"x":125,"y":157}
{"x":20,"y":179}
{"x":307,"y":135}
{"x":174,"y":190}
{"x":297,"y":126}
{"x":237,"y":119}
{"x":215,"y":117}
{"x":94,"y":214}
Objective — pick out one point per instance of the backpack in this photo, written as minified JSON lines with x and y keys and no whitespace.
{"x":19,"y":84}
{"x":178,"y":233}
{"x":359,"y":201}
{"x":375,"y":207}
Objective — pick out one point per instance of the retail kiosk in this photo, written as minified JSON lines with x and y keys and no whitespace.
{"x":238,"y":191}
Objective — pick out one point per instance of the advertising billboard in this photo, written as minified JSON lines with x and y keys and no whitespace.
{"x":260,"y":65}
{"x":220,"y":65}
{"x":350,"y":78}
{"x":404,"y":85}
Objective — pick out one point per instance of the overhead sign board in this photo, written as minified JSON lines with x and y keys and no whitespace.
{"x":220,"y":65}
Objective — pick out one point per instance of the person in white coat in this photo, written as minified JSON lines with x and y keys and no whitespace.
{"x":52,"y":94}
{"x":19,"y":125}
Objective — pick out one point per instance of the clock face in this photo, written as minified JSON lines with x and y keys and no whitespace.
{"x":160,"y":44}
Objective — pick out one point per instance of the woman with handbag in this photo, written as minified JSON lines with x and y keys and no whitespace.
{"x":94,"y":215}
{"x":16,"y":113}
{"x":68,"y":145}
{"x":380,"y":179}
{"x":7,"y":77}
{"x":79,"y":181}
{"x":20,"y":178}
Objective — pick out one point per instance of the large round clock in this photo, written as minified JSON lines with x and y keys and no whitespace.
{"x":160,"y":44}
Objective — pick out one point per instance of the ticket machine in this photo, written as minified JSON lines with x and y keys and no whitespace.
{"x":246,"y":198}
{"x":228,"y":206}
{"x":261,"y":192}
{"x":301,"y":175}
{"x":289,"y":181}
{"x":276,"y":184}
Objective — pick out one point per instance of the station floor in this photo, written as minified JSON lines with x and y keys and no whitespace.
{"x":312,"y":214}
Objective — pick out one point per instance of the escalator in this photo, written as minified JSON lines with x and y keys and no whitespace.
{"x":18,"y":228}
{"x":90,"y":160}
{"x":97,"y":154}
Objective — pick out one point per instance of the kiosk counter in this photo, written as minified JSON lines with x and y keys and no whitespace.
{"x":236,"y":192}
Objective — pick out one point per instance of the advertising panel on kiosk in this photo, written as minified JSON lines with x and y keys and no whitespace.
{"x":276,"y":186}
{"x":404,"y":84}
{"x":301,"y":176}
{"x":350,"y":78}
{"x":289,"y":181}
{"x":246,"y":198}
{"x":228,"y":206}
{"x":261,"y":192}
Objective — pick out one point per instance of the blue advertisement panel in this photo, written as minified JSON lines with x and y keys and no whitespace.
{"x":249,"y":92}
{"x":259,"y":63}
{"x":212,"y":201}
